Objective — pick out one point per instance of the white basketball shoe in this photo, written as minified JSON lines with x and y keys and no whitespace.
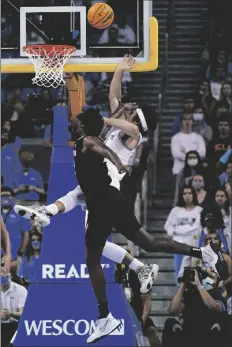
{"x":147,"y":275}
{"x":35,"y":212}
{"x":104,"y":327}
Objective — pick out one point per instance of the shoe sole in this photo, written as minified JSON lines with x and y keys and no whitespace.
{"x":150,"y":280}
{"x":111,"y":331}
{"x":30,"y":213}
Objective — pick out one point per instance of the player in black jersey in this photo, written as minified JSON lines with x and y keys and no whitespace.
{"x":107,"y":208}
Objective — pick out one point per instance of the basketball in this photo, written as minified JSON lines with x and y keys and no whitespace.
{"x":100,"y":15}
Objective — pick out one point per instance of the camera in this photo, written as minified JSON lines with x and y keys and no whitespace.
{"x":189,"y":274}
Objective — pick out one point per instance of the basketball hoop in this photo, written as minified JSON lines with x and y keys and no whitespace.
{"x":49,"y":61}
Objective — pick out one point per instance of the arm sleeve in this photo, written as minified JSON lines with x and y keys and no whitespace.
{"x":201,"y":148}
{"x":175,"y":149}
{"x":170,"y":224}
{"x":72,"y":199}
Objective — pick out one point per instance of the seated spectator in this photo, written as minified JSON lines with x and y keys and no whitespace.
{"x":223,"y":202}
{"x":13,"y":298}
{"x":10,"y":162}
{"x":28,"y":183}
{"x":221,"y":108}
{"x":15,"y":142}
{"x":183,"y":225}
{"x":220,"y":62}
{"x":13,"y":108}
{"x":221,"y":141}
{"x":212,"y":221}
{"x":189,"y":104}
{"x":205,"y":99}
{"x":140,"y":303}
{"x":120,"y":33}
{"x":216,"y":83}
{"x":192,"y":167}
{"x":17,"y":226}
{"x":185,"y":141}
{"x":29,"y":265}
{"x":226,"y":95}
{"x":224,"y":177}
{"x":200,"y":126}
{"x":204,"y":198}
{"x":203,"y":308}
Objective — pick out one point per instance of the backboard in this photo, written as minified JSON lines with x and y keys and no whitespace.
{"x":30,"y":22}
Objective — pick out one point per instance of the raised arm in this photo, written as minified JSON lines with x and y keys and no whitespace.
{"x":94,"y":144}
{"x":128,"y":128}
{"x":115,"y":86}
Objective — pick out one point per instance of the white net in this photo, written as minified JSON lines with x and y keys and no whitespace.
{"x":49,"y":62}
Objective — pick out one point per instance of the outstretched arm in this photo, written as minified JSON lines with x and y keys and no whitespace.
{"x":94,"y":144}
{"x":115,"y":86}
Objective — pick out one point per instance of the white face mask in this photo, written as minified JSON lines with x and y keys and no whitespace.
{"x":198,"y":116}
{"x":192,"y":162}
{"x":207,"y":283}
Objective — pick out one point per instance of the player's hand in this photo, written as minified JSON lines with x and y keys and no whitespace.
{"x":127,"y":63}
{"x":5,"y":314}
{"x":125,"y":168}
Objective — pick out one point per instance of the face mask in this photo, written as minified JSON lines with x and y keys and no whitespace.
{"x":7,"y":202}
{"x":198,"y":116}
{"x":192,"y":162}
{"x":5,"y":280}
{"x":35,"y":244}
{"x":208,"y":283}
{"x":197,"y":185}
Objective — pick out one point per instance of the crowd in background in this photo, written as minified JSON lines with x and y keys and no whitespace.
{"x":201,"y":148}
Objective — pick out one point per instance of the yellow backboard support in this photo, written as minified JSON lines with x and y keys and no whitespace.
{"x":150,"y":65}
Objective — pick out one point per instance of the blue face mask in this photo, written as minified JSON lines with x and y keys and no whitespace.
{"x":36,"y":244}
{"x":7,"y":201}
{"x":5,"y":280}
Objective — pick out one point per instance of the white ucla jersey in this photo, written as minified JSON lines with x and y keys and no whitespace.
{"x":115,"y":143}
{"x":125,"y":154}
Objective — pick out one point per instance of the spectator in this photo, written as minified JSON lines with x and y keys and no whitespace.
{"x":226,"y":95}
{"x":185,"y":141}
{"x":15,"y":142}
{"x":216,"y":83}
{"x":200,"y":126}
{"x":224,"y":177}
{"x":224,"y":267}
{"x":30,"y":262}
{"x":141,"y":303}
{"x":13,"y":298}
{"x":183,"y":225}
{"x":205,"y":99}
{"x":5,"y":244}
{"x":13,"y":108}
{"x":181,"y":143}
{"x":203,"y":197}
{"x":221,"y":108}
{"x":222,"y":200}
{"x":220,"y":62}
{"x":212,"y":221}
{"x":221,"y":142}
{"x":202,"y":305}
{"x":189,"y":104}
{"x":116,"y":34}
{"x":28,"y":182}
{"x":10,"y":163}
{"x":192,"y":166}
{"x":17,"y":226}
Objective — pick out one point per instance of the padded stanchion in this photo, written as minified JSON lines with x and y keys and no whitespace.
{"x":61,"y":308}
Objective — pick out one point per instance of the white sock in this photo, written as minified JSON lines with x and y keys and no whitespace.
{"x":135,"y":265}
{"x":53,"y":209}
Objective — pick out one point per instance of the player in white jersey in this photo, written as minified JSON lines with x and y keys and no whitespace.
{"x":123,"y":138}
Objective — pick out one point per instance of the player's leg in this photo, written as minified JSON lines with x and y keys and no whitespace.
{"x":126,"y":223}
{"x":149,"y":331}
{"x":43,"y":214}
{"x":146,"y":272}
{"x":99,"y":228}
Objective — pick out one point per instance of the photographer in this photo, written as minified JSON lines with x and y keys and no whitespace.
{"x":203,"y":307}
{"x":141,"y":303}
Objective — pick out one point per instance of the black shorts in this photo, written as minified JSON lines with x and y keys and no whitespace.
{"x":109,"y":209}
